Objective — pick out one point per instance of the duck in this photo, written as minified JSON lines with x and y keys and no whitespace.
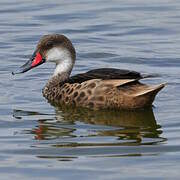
{"x":103,"y":88}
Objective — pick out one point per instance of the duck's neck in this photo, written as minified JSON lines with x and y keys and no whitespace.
{"x":64,"y":64}
{"x":58,"y":79}
{"x":63,"y":58}
{"x":53,"y":86}
{"x":63,"y":67}
{"x":61,"y":74}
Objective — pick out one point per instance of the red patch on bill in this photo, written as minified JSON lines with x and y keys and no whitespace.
{"x":37,"y":60}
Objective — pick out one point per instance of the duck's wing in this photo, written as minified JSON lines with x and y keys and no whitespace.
{"x":105,"y":74}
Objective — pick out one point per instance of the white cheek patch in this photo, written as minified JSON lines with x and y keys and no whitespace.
{"x":56,"y":54}
{"x":62,"y":58}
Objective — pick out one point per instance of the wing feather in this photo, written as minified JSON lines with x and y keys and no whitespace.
{"x":105,"y":74}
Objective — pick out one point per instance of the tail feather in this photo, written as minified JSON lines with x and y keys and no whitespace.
{"x":151,"y":90}
{"x":145,"y":97}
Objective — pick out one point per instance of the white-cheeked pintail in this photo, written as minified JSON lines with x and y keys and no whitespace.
{"x":97,"y":89}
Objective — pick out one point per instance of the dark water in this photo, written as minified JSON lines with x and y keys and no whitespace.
{"x":39,"y":141}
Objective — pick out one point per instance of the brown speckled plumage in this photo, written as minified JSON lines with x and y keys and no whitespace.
{"x":100,"y":94}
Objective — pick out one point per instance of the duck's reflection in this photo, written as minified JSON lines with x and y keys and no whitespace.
{"x":79,"y":126}
{"x":139,"y":118}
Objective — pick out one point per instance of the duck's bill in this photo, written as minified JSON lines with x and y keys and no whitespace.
{"x":36,"y":60}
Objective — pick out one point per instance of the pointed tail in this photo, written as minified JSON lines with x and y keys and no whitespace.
{"x":147,"y":96}
{"x":152,"y":90}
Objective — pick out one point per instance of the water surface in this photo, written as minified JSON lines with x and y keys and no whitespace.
{"x":39,"y":141}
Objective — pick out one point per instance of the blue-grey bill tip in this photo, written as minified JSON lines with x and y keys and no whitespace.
{"x":18,"y":71}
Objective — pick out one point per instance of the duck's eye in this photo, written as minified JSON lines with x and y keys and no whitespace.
{"x":49,"y":44}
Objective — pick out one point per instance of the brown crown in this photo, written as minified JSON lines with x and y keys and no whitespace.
{"x":54,"y":40}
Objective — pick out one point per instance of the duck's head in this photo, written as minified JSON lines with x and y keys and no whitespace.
{"x":52,"y":48}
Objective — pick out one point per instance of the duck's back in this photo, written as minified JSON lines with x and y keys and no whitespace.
{"x":105,"y":74}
